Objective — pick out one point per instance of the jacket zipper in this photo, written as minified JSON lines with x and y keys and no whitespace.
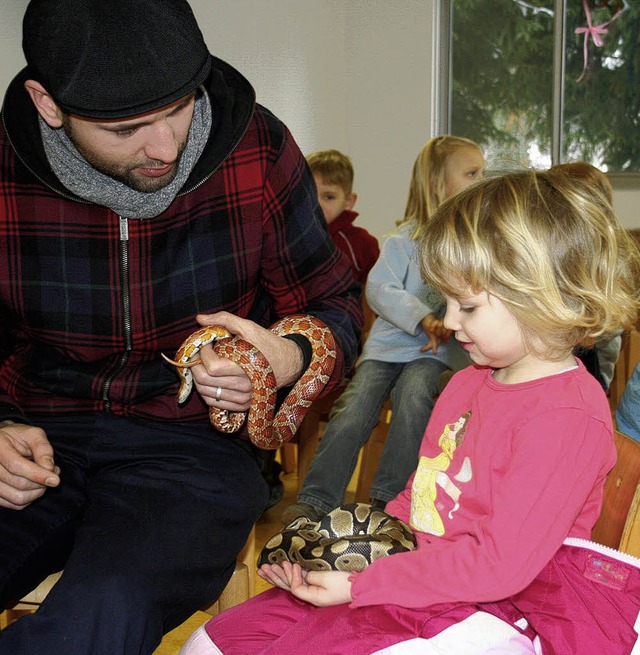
{"x":126,"y":310}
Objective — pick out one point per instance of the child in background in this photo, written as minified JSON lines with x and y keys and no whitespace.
{"x":530,"y":264}
{"x":599,"y":355}
{"x":628,"y":411}
{"x":333,"y":173}
{"x":402,"y":355}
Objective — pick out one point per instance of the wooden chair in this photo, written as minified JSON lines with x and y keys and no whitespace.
{"x":630,"y":541}
{"x":310,"y":433}
{"x":241,"y":585}
{"x":239,"y":588}
{"x":619,"y":523}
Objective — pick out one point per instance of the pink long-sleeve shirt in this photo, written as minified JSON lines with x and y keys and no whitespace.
{"x":491,"y":502}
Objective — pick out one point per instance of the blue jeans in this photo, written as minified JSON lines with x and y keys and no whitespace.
{"x":413,"y":388}
{"x":628,"y":412}
{"x":147,"y":522}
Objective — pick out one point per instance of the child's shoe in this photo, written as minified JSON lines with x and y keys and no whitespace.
{"x":301,"y":509}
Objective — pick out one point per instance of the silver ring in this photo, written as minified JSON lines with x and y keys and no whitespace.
{"x":218,"y":393}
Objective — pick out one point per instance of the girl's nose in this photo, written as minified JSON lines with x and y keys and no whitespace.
{"x":451,"y":319}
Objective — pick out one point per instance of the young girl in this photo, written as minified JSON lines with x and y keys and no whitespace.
{"x":530,"y":264}
{"x":402,"y":356}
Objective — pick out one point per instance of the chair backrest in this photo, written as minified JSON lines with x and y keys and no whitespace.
{"x":630,"y":542}
{"x":620,"y":490}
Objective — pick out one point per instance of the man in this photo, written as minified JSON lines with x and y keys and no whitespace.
{"x":144,"y":193}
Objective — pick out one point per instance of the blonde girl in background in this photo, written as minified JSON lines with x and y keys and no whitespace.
{"x":600,"y":354}
{"x":405,"y":353}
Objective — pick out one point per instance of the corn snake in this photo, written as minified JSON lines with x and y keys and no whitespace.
{"x":267,"y":428}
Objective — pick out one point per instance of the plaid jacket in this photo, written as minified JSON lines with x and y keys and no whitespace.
{"x":88,"y":299}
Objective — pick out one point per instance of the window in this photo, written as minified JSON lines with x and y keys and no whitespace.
{"x":534,"y":86}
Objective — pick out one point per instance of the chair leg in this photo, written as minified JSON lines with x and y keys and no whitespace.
{"x":236,"y":591}
{"x":288,"y":458}
{"x":247,"y":556}
{"x":9,"y":616}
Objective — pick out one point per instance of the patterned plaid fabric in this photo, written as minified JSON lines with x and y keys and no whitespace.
{"x":89,"y":300}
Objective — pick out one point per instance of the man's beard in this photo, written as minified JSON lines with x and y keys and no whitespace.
{"x":127,"y":174}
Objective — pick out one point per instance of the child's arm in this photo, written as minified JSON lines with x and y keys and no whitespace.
{"x":436,"y":332}
{"x":387,"y":290}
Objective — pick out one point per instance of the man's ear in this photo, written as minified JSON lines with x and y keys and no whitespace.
{"x":44,"y":103}
{"x":350,"y":201}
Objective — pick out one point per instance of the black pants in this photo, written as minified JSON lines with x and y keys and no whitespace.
{"x":147,"y":522}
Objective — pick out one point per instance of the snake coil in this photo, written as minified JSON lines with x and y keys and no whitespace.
{"x":348,"y":538}
{"x":267,"y":428}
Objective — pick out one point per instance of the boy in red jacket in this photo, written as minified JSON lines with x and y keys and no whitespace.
{"x":333,"y":173}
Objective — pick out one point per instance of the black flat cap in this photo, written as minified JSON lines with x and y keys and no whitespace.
{"x":111,"y":59}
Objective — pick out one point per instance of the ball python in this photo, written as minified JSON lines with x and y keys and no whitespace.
{"x":267,"y":428}
{"x":348,"y":538}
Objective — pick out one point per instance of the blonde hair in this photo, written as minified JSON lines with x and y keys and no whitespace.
{"x":427,"y":189}
{"x":545,"y":244}
{"x":581,"y":170}
{"x":333,"y":167}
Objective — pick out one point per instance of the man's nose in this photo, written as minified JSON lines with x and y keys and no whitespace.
{"x":162,"y":144}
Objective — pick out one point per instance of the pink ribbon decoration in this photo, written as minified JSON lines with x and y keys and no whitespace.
{"x":593,"y":31}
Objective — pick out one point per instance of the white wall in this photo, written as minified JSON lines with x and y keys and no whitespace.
{"x":349,"y":74}
{"x":353,"y":75}
{"x":627,"y":204}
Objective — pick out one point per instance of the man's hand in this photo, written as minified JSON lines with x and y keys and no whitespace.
{"x":320,"y":588}
{"x":27,"y":467}
{"x":216,"y":372}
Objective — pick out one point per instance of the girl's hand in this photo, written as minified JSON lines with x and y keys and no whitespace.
{"x":436,"y":333}
{"x":276,"y":575}
{"x":320,"y":588}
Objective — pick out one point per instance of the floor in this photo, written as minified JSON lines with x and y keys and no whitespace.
{"x":268,"y":524}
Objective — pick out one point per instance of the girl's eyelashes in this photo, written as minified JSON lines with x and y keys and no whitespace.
{"x":467,"y":309}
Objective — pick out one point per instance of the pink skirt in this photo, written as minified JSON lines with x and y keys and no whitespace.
{"x":586,"y":600}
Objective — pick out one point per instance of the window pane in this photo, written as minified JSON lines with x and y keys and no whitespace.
{"x":602,"y":101}
{"x":502,"y":80}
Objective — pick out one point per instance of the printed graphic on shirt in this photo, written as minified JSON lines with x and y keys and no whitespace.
{"x":432,"y":474}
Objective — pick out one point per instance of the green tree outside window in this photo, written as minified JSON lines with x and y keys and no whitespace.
{"x":503,"y":54}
